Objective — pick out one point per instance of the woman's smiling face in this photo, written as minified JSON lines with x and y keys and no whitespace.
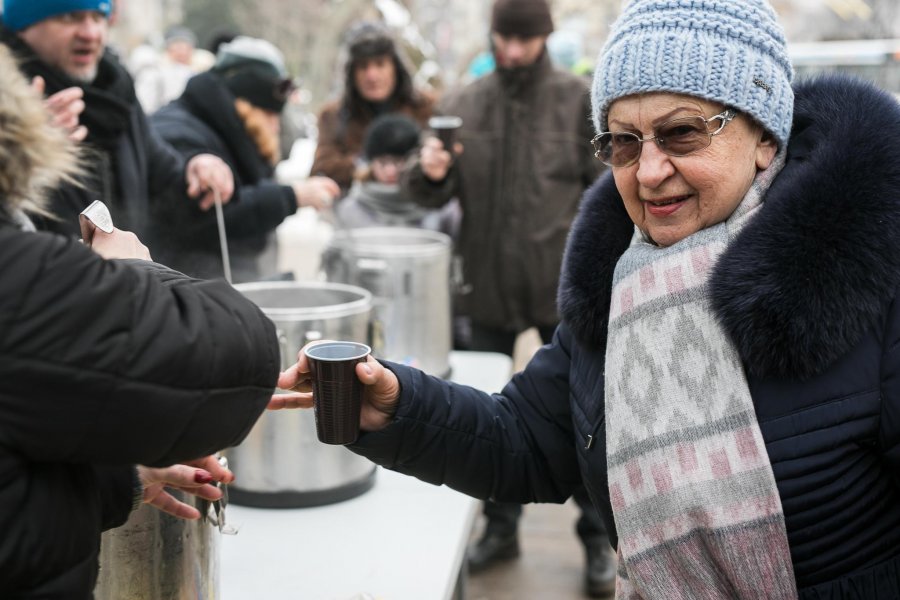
{"x":672,"y":197}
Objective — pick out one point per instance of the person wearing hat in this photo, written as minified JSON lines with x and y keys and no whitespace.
{"x":376,"y":198}
{"x":233,"y":112}
{"x":62,"y":45}
{"x":376,"y":82}
{"x":525,"y":162}
{"x":724,"y":379}
{"x":163,"y":80}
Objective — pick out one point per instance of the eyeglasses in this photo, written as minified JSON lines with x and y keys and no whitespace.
{"x":678,"y":137}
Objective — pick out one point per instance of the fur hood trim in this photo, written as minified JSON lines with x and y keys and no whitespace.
{"x":813,"y":272}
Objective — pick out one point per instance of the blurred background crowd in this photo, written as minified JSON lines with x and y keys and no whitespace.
{"x":445,"y":41}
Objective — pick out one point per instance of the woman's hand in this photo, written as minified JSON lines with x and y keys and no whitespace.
{"x":195,"y":477}
{"x":379,"y":402}
{"x":318,"y":192}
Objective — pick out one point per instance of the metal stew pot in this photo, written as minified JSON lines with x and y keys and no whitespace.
{"x":282,"y":464}
{"x":155,"y":556}
{"x":408,"y":272}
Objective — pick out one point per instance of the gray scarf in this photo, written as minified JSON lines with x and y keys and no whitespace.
{"x":389,"y":203}
{"x":692,"y":490}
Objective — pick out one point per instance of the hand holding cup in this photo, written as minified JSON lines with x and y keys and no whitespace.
{"x":379,"y":402}
{"x":337,"y":391}
{"x":445,"y":128}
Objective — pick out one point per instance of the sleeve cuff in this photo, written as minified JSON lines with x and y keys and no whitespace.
{"x":137,"y":490}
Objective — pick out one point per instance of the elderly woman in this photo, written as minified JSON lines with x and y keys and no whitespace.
{"x":725,"y":376}
{"x":104,"y":363}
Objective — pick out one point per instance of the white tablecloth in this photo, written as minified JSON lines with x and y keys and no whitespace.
{"x":401,"y":540}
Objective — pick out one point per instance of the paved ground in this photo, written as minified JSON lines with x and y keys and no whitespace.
{"x":551,"y":566}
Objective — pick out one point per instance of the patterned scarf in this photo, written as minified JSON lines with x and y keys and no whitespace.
{"x":692,"y":490}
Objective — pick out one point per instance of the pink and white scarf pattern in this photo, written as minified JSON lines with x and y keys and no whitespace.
{"x":692,"y":490}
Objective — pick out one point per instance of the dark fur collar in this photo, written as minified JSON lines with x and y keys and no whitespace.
{"x":814,"y":270}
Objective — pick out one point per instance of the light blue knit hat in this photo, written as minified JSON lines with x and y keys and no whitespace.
{"x":728,"y":51}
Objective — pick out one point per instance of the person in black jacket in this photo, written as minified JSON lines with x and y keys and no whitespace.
{"x":724,"y":380}
{"x":62,"y":44}
{"x":232,"y":111}
{"x":107,"y":361}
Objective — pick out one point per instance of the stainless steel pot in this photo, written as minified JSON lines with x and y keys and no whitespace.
{"x":282,"y":464}
{"x":155,"y":556}
{"x":408,"y":272}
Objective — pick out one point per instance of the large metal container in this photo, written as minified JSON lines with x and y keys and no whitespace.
{"x":408,"y":272}
{"x":155,"y":556}
{"x":282,"y":464}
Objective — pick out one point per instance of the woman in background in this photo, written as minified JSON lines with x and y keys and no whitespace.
{"x":376,"y":82}
{"x":233,"y":111}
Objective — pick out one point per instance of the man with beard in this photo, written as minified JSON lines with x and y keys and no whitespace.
{"x":523,"y":162}
{"x":62,"y":46}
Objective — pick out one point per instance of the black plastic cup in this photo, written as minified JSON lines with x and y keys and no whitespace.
{"x":444,"y":127}
{"x":337,"y":391}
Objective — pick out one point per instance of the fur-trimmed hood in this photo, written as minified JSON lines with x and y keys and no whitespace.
{"x":813,"y":271}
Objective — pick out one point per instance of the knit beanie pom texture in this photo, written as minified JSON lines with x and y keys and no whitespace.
{"x":21,"y":14}
{"x":731,"y":52}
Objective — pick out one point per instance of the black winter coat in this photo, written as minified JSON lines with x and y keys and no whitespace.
{"x":808,"y":293}
{"x":204,"y":120}
{"x":105,"y":364}
{"x":526,"y":165}
{"x":127,"y":165}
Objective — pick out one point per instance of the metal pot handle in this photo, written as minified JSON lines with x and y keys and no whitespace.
{"x":214,"y":512}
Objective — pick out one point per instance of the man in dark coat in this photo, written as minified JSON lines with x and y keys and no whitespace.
{"x":127,"y":166}
{"x":525,"y":163}
{"x":232,"y":111}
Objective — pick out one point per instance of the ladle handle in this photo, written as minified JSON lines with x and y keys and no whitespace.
{"x":223,"y":238}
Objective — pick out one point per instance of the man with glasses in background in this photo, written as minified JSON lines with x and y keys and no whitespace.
{"x":523,"y":164}
{"x":61,"y":46}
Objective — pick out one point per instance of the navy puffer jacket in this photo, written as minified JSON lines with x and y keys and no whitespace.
{"x":809,"y":295}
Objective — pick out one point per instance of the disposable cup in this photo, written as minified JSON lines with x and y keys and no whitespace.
{"x":444,"y":127}
{"x":337,"y":391}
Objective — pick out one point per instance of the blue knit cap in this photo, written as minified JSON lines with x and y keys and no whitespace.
{"x":727,"y":51}
{"x":19,"y":14}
